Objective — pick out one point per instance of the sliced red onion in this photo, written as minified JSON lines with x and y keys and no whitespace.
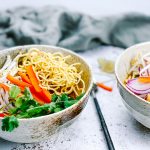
{"x":145,"y":71}
{"x":143,"y":96}
{"x":138,"y":88}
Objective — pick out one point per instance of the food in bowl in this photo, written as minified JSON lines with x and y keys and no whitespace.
{"x":137,"y":106}
{"x":138,"y":77}
{"x":38,"y":83}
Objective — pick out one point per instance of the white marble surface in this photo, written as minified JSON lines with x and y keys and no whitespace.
{"x":86,"y":132}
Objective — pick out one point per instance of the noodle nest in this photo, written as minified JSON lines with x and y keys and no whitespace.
{"x":53,"y":71}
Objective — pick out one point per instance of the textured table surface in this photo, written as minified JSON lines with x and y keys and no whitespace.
{"x":86,"y":132}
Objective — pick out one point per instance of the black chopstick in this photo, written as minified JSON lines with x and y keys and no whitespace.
{"x":102,"y":121}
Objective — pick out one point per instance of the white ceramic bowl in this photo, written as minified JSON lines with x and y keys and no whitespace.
{"x":138,"y":108}
{"x":41,"y":128}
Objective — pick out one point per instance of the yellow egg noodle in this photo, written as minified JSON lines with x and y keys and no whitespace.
{"x":53,"y":71}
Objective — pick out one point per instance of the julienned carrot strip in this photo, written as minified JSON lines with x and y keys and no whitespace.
{"x":5,"y":87}
{"x":46,"y":95}
{"x":24,"y":77}
{"x":37,"y":96}
{"x":38,"y":99}
{"x":33,"y":78}
{"x":101,"y":85}
{"x":17,"y":82}
{"x":144,"y":79}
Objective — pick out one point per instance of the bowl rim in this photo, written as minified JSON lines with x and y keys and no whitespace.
{"x":117,"y":73}
{"x":65,"y":50}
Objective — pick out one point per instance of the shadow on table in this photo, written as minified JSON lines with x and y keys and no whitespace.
{"x":141,"y":128}
{"x":6,"y":145}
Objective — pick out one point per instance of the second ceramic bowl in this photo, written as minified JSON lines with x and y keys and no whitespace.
{"x":138,"y":108}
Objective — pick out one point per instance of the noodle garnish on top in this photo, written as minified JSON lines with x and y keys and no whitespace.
{"x":53,"y":71}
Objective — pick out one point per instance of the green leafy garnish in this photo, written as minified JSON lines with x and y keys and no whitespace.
{"x":9,"y":123}
{"x":26,"y":107}
{"x":41,"y":110}
{"x":18,"y":102}
{"x":27,"y":94}
{"x":58,"y":109}
{"x":54,"y":97}
{"x":64,"y":97}
{"x":69,"y":103}
{"x":14,"y":92}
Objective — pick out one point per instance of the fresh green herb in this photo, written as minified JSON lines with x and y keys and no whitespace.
{"x":64,"y":97}
{"x":9,"y":123}
{"x":38,"y":111}
{"x":19,"y":102}
{"x":69,"y":103}
{"x":14,"y":92}
{"x":27,"y":107}
{"x":54,"y":97}
{"x":58,"y":109}
{"x":27,"y":94}
{"x":41,"y":110}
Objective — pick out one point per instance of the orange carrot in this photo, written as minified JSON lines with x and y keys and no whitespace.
{"x":144,"y":79}
{"x":17,"y":82}
{"x":24,"y":77}
{"x":37,"y":96}
{"x":101,"y":85}
{"x":5,"y":87}
{"x":46,"y":95}
{"x":38,"y":99}
{"x":33,"y":78}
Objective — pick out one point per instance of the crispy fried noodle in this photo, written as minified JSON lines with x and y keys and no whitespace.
{"x":53,"y":71}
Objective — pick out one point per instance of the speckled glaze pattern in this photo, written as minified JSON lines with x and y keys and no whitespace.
{"x":138,"y":108}
{"x":41,"y":128}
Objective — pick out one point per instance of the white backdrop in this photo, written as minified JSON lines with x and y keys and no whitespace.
{"x":92,"y":7}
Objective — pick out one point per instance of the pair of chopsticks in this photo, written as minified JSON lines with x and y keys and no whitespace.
{"x":101,"y":118}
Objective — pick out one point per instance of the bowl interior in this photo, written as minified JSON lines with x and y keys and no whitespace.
{"x":123,"y":63}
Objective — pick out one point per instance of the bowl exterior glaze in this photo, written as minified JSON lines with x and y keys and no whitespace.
{"x":41,"y":128}
{"x":137,"y":107}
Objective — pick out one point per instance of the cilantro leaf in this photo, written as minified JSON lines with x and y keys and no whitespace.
{"x":54,"y":97}
{"x":23,"y":115}
{"x":14,"y":92}
{"x":38,"y":111}
{"x":58,"y":109}
{"x":28,"y":104}
{"x":19,"y":102}
{"x":9,"y":123}
{"x":52,"y":106}
{"x":27,"y":94}
{"x":41,"y":110}
{"x":64,"y":97}
{"x":69,"y":103}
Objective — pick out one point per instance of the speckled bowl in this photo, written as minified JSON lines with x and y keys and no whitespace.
{"x":138,"y":108}
{"x":41,"y":128}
